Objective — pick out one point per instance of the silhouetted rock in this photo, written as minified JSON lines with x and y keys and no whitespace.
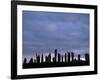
{"x":31,"y":61}
{"x":57,"y":61}
{"x":25,"y":61}
{"x":59,"y":57}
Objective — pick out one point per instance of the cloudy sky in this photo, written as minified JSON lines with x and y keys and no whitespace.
{"x":45,"y":31}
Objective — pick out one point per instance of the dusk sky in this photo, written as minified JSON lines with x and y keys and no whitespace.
{"x":45,"y":31}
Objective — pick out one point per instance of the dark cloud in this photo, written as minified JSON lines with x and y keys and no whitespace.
{"x":45,"y":31}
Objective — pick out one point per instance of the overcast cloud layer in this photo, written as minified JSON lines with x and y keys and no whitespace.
{"x":45,"y":31}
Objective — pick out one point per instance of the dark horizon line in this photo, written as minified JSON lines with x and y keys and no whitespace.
{"x":57,"y":57}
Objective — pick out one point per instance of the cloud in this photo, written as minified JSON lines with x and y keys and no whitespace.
{"x":45,"y":31}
